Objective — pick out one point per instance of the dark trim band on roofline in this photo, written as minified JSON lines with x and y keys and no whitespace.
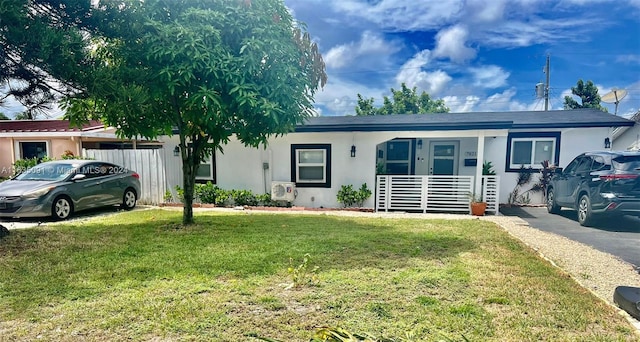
{"x":573,"y":125}
{"x":404,"y":127}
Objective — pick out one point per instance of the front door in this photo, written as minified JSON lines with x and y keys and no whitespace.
{"x":443,"y":158}
{"x":399,"y":157}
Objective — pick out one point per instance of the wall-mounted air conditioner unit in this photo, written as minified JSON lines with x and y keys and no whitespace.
{"x":283,"y":191}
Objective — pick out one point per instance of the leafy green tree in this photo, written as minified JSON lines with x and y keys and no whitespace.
{"x":3,"y":116}
{"x":42,"y":50}
{"x":404,"y":101}
{"x":365,"y":106}
{"x":24,"y":116}
{"x":208,"y":69}
{"x":588,"y":94}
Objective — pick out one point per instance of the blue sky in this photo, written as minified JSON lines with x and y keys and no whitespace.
{"x":477,"y":55}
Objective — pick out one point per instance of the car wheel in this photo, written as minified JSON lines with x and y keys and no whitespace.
{"x":552,"y":207}
{"x":62,"y":208}
{"x":129,"y":199}
{"x":585,"y":216}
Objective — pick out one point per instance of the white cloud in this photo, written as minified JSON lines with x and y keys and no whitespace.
{"x":411,"y":73}
{"x":370,"y":45}
{"x":503,"y":101}
{"x":451,"y":43}
{"x":403,"y":15}
{"x":514,"y":33}
{"x":628,"y":59}
{"x":491,"y":76}
{"x":338,"y":56}
{"x":333,"y":97}
{"x":486,"y":11}
{"x":460,"y":105}
{"x":502,"y":23}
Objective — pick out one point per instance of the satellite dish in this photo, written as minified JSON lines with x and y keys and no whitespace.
{"x":614,"y":96}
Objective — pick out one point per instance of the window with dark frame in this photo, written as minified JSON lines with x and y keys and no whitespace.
{"x":530,"y":149}
{"x":311,"y":165}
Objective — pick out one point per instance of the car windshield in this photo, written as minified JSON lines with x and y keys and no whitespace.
{"x":46,"y":172}
{"x":627,"y":163}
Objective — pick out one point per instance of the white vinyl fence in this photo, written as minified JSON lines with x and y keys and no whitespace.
{"x":147,"y":163}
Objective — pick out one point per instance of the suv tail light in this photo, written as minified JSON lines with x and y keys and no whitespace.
{"x":135,"y":175}
{"x":610,"y":178}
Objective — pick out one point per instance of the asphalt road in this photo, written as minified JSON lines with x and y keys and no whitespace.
{"x":617,"y":236}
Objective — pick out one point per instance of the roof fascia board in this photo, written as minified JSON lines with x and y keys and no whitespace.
{"x":44,"y":134}
{"x":404,"y":127}
{"x":573,"y":125}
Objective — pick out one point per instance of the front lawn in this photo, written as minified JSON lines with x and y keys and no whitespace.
{"x":140,"y":276}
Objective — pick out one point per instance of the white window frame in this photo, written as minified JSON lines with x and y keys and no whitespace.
{"x":208,"y":162}
{"x":323,"y":164}
{"x":534,"y":140}
{"x":18,"y":148}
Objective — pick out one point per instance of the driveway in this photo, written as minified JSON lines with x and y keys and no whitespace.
{"x":617,"y":236}
{"x":22,"y":223}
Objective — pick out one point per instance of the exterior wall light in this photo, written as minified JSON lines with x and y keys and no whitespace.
{"x":176,"y":151}
{"x":607,"y":143}
{"x":420,"y":144}
{"x":353,"y":151}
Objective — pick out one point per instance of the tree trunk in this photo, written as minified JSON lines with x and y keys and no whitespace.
{"x":188,"y":182}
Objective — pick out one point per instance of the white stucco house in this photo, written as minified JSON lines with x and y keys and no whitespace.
{"x":627,"y":137}
{"x":410,"y":161}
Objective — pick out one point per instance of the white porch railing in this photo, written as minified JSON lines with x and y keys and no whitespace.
{"x":491,"y":192}
{"x":433,"y":193}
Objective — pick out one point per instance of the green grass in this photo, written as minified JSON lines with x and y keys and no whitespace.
{"x":141,"y":276}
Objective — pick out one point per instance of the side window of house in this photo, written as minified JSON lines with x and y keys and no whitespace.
{"x":33,"y":149}
{"x":311,"y":165}
{"x":531,"y":149}
{"x":206,"y":170}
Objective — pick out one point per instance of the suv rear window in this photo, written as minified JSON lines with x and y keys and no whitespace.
{"x":627,"y":163}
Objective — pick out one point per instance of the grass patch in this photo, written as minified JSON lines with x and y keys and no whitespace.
{"x":135,"y":276}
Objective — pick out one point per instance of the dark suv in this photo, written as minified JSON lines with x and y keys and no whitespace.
{"x":596,"y":183}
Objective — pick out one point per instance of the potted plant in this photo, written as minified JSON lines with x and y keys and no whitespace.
{"x":478,"y":206}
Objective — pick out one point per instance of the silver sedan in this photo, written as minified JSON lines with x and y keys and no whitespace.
{"x":60,"y":188}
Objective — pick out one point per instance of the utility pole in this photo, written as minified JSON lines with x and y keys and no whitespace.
{"x":546,"y":86}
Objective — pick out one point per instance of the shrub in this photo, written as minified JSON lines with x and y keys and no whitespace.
{"x":265,"y":200}
{"x":22,"y":165}
{"x":180,"y":193}
{"x":244,"y":197}
{"x":211,"y":194}
{"x":350,"y":197}
{"x":168,"y":196}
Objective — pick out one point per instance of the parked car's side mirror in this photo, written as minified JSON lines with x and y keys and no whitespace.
{"x":558,"y":170}
{"x":78,"y":177}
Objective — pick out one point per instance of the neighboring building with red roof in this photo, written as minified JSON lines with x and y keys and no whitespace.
{"x":22,"y":139}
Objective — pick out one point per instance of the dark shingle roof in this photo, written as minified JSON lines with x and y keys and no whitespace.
{"x":465,"y":121}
